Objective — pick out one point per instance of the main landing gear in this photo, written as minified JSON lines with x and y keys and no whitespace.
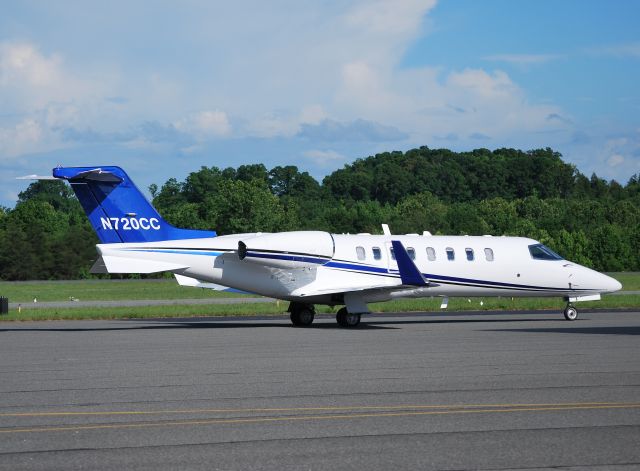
{"x":302,"y":315}
{"x":570,"y":312}
{"x":348,"y":319}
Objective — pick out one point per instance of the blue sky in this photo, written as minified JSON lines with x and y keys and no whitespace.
{"x":162,"y":88}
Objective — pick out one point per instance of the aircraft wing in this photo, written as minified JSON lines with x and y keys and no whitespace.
{"x":196,"y":283}
{"x":110,"y":264}
{"x":343,"y":289}
{"x":410,"y":276}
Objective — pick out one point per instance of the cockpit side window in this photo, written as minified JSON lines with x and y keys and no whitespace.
{"x":542,"y":252}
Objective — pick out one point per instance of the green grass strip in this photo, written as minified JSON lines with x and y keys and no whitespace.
{"x":104,"y":290}
{"x":279,"y":308}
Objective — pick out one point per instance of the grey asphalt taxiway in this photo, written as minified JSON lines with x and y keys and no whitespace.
{"x":420,"y":391}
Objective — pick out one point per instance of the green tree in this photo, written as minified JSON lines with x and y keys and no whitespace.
{"x":418,"y":213}
{"x":289,"y":181}
{"x":241,"y":206}
{"x":573,"y":246}
{"x":55,"y":192}
{"x":499,"y":214}
{"x":610,"y":249}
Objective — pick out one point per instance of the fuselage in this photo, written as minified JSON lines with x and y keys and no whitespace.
{"x":319,"y":267}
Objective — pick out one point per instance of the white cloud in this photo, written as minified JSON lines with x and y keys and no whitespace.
{"x":27,"y":137}
{"x":389,"y":17}
{"x":20,"y":62}
{"x":611,"y":158}
{"x":358,"y":130}
{"x":32,"y":80}
{"x":205,"y":124}
{"x":312,"y":114}
{"x":482,"y":85}
{"x":324,"y":157}
{"x":630,"y":49}
{"x":333,"y":63}
{"x":272,"y":124}
{"x":615,"y":160}
{"x":523,"y":59}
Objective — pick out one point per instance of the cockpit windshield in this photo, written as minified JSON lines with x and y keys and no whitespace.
{"x":542,"y":252}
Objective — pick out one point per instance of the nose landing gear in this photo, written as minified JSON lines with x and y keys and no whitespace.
{"x":570,"y":312}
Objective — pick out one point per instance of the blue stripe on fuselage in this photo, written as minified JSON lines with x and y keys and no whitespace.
{"x":373,"y":270}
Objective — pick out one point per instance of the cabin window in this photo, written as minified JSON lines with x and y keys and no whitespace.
{"x":431,"y":254}
{"x":412,"y":253}
{"x":377,"y":254}
{"x":393,"y":255}
{"x":488,"y":253}
{"x":469,"y":253}
{"x":451,"y":255}
{"x":541,"y":252}
{"x":360,"y":253}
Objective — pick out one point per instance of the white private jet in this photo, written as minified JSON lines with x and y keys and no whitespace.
{"x":315,"y":267}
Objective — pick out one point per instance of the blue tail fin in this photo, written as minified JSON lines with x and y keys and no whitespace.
{"x":409,"y":273}
{"x":118,"y":211}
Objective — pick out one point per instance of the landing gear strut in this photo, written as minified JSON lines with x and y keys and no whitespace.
{"x":570,"y":313}
{"x":348,"y":319}
{"x":302,"y":315}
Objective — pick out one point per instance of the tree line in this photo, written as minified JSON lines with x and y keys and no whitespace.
{"x":502,"y":192}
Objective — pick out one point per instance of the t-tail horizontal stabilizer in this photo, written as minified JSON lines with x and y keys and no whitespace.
{"x":117,"y":209}
{"x":409,"y":273}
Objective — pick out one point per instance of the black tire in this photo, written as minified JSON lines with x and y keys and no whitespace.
{"x":347,"y":319}
{"x":353,"y":320}
{"x":295,"y":318}
{"x":302,"y":317}
{"x":341,"y":317}
{"x":305,"y":317}
{"x":570,"y":313}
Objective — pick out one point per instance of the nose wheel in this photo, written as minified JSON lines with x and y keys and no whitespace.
{"x":570,"y":313}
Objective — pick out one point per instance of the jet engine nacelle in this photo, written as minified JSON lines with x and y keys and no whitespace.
{"x":288,"y":249}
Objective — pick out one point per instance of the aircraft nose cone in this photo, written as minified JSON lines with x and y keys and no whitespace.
{"x":610,"y":285}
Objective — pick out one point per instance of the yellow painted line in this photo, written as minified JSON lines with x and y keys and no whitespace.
{"x":304,"y":409}
{"x":311,"y":418}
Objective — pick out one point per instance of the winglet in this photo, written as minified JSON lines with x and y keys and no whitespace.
{"x":409,"y":273}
